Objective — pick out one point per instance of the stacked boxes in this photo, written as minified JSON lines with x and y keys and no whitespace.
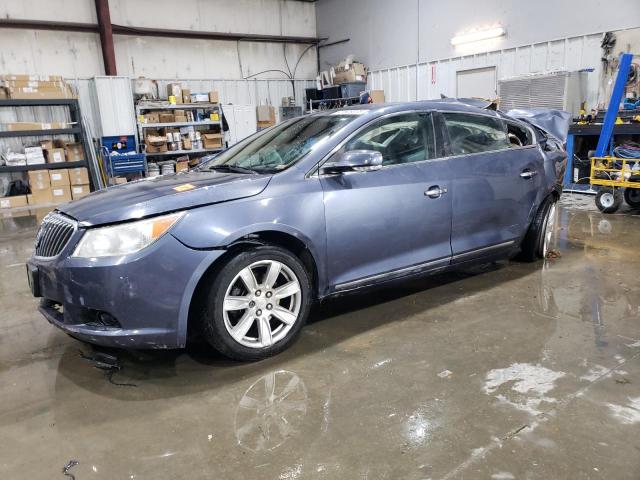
{"x":79,"y":181}
{"x":34,"y":87}
{"x":40,"y":184}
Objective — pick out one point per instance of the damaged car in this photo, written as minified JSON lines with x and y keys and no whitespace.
{"x":238,"y":249}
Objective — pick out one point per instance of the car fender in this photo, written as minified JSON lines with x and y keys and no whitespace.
{"x":216,"y":227}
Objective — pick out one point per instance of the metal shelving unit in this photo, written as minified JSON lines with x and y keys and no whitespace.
{"x":77,"y":131}
{"x":41,"y":166}
{"x":185,"y":152}
{"x":141,"y":108}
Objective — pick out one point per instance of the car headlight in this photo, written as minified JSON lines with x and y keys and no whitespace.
{"x":125,"y":238}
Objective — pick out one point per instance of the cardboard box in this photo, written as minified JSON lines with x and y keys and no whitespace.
{"x":151,"y":117}
{"x":59,"y":177}
{"x":45,"y":84}
{"x":36,"y":78}
{"x":182,"y":166}
{"x":353,"y":72}
{"x":46,"y":144}
{"x":120,"y":180}
{"x":174,"y":90}
{"x":74,"y":152}
{"x":27,"y":93}
{"x":79,"y":176}
{"x":41,"y":197}
{"x":167,"y":118}
{"x":199,"y":97}
{"x":180,"y":119}
{"x":22,"y":126}
{"x":39,"y":180}
{"x":213,"y":97}
{"x":3,"y":93}
{"x":13,"y":202}
{"x":377,"y":96}
{"x":211,"y":140}
{"x":186,"y":143}
{"x":79,"y":191}
{"x":150,"y":148}
{"x":186,"y":95}
{"x":34,"y":155}
{"x":55,"y":155}
{"x":266,"y":113}
{"x":61,"y":194}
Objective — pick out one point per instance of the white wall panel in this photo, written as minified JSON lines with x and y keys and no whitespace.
{"x":384,"y":33}
{"x":566,"y":54}
{"x":78,"y":55}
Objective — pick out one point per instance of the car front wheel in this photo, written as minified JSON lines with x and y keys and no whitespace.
{"x":258,"y":303}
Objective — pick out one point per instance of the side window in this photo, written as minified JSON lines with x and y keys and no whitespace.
{"x":400,"y":139}
{"x":470,"y":133}
{"x":518,"y":135}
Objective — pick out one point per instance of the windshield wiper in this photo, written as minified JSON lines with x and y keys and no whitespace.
{"x":232,"y":168}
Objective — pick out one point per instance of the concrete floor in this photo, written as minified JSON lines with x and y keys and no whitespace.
{"x":510,"y":371}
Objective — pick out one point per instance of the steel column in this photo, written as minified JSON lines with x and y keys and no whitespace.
{"x":106,"y":37}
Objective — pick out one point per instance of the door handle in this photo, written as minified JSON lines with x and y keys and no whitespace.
{"x":435,"y":191}
{"x":528,"y":173}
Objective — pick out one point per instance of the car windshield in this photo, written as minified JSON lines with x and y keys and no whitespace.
{"x":280,"y":146}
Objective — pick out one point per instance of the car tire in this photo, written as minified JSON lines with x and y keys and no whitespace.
{"x":632,"y":197}
{"x":249,"y":314}
{"x":608,"y":200}
{"x":536,"y":242}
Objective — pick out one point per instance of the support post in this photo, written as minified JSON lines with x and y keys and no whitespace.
{"x":106,"y":37}
{"x":614,"y":105}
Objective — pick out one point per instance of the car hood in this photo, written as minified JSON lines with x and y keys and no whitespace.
{"x":163,"y":194}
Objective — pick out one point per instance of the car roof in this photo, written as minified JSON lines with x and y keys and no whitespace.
{"x":445,"y":104}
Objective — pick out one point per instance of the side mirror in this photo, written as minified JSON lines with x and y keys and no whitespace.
{"x":353,"y":161}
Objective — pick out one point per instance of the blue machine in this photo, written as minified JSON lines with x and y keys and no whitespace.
{"x":120,"y":156}
{"x":606,"y":131}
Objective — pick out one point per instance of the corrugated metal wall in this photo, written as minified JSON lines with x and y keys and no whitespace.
{"x":429,"y":80}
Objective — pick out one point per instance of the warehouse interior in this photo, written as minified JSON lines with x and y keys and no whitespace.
{"x":121,"y":123}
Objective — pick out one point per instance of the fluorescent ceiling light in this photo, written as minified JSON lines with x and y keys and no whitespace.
{"x":478,"y":35}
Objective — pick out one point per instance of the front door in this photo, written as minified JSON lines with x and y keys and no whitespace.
{"x":381,"y":222}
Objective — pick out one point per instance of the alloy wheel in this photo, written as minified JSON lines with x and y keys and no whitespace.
{"x":262,"y":303}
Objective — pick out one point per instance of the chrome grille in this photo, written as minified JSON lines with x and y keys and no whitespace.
{"x":53,"y":235}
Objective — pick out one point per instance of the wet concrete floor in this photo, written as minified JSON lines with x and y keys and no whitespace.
{"x":510,"y":371}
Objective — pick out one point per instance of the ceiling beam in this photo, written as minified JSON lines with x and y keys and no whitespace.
{"x":153,"y":32}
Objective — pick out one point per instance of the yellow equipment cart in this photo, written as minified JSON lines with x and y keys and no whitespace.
{"x":614,"y":176}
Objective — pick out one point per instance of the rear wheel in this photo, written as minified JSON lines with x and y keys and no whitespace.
{"x":258,"y":303}
{"x":537,"y":241}
{"x":632,"y":197}
{"x":608,"y":200}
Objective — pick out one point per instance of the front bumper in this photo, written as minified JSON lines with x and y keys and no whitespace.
{"x":146,"y":294}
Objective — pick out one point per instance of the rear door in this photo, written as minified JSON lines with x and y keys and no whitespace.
{"x":379,"y":223}
{"x":493,"y":187}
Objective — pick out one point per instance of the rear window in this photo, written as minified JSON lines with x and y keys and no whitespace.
{"x":475,"y":133}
